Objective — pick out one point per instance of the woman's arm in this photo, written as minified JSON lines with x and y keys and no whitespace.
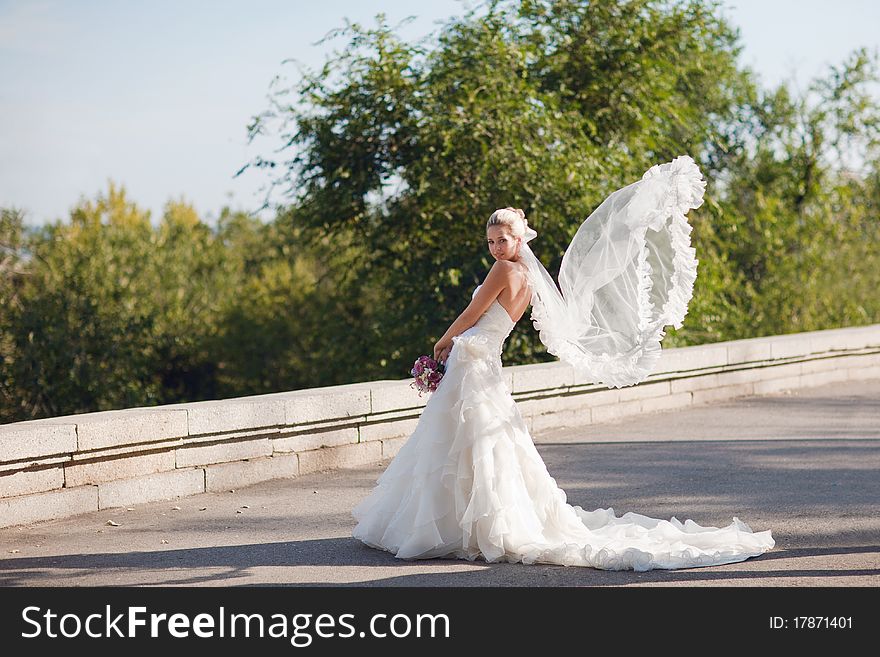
{"x":497,"y":279}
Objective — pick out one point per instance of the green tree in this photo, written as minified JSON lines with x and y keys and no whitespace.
{"x":544,"y":105}
{"x":14,"y":259}
{"x":797,"y":217}
{"x":108,"y":311}
{"x":293,"y":322}
{"x":113,"y":313}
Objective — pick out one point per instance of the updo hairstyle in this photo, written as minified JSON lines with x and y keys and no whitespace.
{"x":513,"y":218}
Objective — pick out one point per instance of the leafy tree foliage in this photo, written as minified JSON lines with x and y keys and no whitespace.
{"x":544,"y":105}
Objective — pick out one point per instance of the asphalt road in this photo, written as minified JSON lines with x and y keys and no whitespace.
{"x":803,"y":464}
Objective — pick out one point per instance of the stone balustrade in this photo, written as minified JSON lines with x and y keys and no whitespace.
{"x":61,"y":466}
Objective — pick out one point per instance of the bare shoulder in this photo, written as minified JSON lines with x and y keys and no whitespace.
{"x":504,"y":275}
{"x":505,"y":269}
{"x":510,"y":271}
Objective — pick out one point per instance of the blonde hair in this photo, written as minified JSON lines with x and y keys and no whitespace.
{"x":513,"y":218}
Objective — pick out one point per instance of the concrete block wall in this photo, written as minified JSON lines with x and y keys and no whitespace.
{"x":63,"y":466}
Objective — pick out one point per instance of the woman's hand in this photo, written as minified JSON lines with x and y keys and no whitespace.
{"x":441,"y":350}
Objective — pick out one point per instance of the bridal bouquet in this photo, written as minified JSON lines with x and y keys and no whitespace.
{"x":428,"y":373}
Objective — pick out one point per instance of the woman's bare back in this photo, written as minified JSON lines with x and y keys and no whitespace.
{"x":516,"y":297}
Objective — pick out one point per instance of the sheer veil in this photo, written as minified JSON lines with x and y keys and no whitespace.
{"x":628,"y":272}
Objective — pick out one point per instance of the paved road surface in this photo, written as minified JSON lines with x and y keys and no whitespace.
{"x":803,"y":464}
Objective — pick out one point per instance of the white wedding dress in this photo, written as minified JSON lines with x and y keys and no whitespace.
{"x":469,"y":482}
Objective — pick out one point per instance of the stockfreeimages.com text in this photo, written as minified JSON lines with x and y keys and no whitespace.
{"x":300,"y":629}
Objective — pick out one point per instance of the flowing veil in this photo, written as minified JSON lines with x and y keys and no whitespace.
{"x":628,"y":272}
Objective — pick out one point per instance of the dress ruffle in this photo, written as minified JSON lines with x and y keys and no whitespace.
{"x":474,"y":347}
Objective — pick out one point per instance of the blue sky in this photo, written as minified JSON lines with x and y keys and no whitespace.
{"x":157,"y":95}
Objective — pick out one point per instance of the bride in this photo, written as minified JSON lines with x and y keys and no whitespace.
{"x":469,"y":483}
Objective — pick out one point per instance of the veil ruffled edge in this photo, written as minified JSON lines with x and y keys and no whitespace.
{"x":677,"y":187}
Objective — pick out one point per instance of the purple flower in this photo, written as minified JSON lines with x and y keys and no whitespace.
{"x":426,"y":373}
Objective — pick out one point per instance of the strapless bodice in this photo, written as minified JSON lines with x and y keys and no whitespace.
{"x":486,"y":337}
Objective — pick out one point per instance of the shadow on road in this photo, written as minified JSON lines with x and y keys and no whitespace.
{"x":227,"y":563}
